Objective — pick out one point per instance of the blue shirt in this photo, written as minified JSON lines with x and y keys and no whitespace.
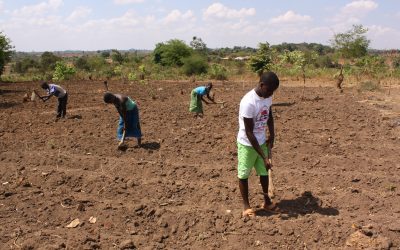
{"x":200,"y":90}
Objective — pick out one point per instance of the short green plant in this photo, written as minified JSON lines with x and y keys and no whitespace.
{"x":218,"y":72}
{"x":63,"y":71}
{"x":132,"y":76}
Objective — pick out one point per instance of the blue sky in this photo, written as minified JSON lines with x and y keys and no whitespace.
{"x":48,"y":25}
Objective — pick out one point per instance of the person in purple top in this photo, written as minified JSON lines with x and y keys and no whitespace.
{"x":60,"y":93}
{"x":197,"y":96}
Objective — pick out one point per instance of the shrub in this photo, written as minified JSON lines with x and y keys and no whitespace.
{"x":324,"y":62}
{"x":63,"y":72}
{"x":82,"y":63}
{"x":48,"y":61}
{"x":132,"y":76}
{"x":218,"y":72}
{"x":171,"y":53}
{"x":24,"y":65}
{"x":396,"y":62}
{"x":195,"y":65}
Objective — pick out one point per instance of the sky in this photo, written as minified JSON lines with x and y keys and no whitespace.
{"x":56,"y":25}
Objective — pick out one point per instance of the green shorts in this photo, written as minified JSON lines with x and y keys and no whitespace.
{"x":249,"y":158}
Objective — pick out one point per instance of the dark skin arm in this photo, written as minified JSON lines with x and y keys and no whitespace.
{"x":120,"y":104}
{"x":208,"y":90}
{"x":202,"y":98}
{"x":271,"y":128}
{"x":249,"y":127}
{"x":46,"y":97}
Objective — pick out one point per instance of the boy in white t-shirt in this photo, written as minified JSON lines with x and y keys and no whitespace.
{"x":255,"y":115}
{"x":61,"y":94}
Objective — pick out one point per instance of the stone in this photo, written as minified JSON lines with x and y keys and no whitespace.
{"x":127,"y":244}
{"x":130,"y":184}
{"x":395,"y":226}
{"x":358,"y":240}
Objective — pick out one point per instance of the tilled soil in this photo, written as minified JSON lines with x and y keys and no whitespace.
{"x":336,"y":171}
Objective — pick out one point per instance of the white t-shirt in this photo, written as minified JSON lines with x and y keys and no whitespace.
{"x":256,"y":107}
{"x":56,"y":90}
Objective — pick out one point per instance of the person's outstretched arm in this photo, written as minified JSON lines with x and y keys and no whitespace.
{"x":249,"y":127}
{"x":209,"y":97}
{"x":204,"y":100}
{"x":271,"y":129}
{"x":46,"y":97}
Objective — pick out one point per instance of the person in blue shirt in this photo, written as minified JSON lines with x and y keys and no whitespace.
{"x":60,"y":93}
{"x":129,"y":125}
{"x":197,"y":96}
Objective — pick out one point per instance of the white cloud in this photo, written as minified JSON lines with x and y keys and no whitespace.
{"x":177,"y":16}
{"x":38,"y":9}
{"x":378,"y":30}
{"x":120,"y":2}
{"x":290,"y":17}
{"x":383,"y":37}
{"x":363,"y":6}
{"x":355,"y":11}
{"x":128,"y":20}
{"x":218,"y":10}
{"x":78,"y":13}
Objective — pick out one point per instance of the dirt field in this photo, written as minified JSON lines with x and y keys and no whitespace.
{"x":337,"y":171}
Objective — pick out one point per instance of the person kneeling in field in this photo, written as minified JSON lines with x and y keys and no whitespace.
{"x":129,"y":125}
{"x":197,"y":96}
{"x":60,"y":93}
{"x":255,"y":115}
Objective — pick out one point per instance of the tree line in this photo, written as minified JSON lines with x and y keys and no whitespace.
{"x":174,"y":59}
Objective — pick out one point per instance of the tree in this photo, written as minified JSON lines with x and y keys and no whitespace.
{"x":105,"y":54}
{"x":48,"y":61}
{"x":353,"y":43}
{"x":117,"y":56}
{"x":262,"y":60}
{"x":299,"y":60}
{"x":171,"y":53}
{"x":198,"y":45}
{"x":6,"y":51}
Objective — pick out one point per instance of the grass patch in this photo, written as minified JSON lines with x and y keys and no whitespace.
{"x":369,"y":86}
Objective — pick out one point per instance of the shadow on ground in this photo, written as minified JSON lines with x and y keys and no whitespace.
{"x":6,"y":105}
{"x":151,"y":145}
{"x":305,"y":204}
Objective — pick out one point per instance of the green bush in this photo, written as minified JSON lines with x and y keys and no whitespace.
{"x":171,"y":53}
{"x":23,"y":66}
{"x":218,"y":72}
{"x":63,"y":72}
{"x":48,"y":61}
{"x":132,"y":76}
{"x":195,"y":65}
{"x":325,"y":61}
{"x":396,"y":62}
{"x":82,"y":63}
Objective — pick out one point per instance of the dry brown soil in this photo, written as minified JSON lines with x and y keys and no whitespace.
{"x":337,"y":168}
